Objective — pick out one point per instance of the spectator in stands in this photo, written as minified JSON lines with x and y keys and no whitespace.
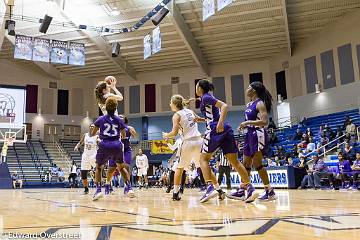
{"x":271,"y":163}
{"x":281,"y":152}
{"x":54,"y":170}
{"x":321,"y":131}
{"x":309,"y":132}
{"x":320,"y":170}
{"x":272,"y":138}
{"x":271,"y":124}
{"x":302,"y":145}
{"x":311,"y":146}
{"x":73,"y":175}
{"x":339,"y":133}
{"x":61,"y":175}
{"x":343,"y":171}
{"x":351,"y":129}
{"x":356,"y":170}
{"x":16,"y":180}
{"x":347,"y":121}
{"x":305,"y":138}
{"x":323,"y":140}
{"x":298,"y":135}
{"x":349,"y":152}
{"x":330,"y":134}
{"x":308,"y":180}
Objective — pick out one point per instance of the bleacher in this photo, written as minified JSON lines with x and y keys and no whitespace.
{"x":29,"y":160}
{"x":68,"y":145}
{"x":333,"y":120}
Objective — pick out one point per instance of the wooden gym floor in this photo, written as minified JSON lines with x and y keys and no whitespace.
{"x":296,"y":214}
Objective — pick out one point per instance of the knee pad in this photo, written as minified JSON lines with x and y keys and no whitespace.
{"x":84,"y":174}
{"x":259,"y":168}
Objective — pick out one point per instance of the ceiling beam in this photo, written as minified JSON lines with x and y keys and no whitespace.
{"x":103,"y":45}
{"x":283,"y":3}
{"x":188,"y":38}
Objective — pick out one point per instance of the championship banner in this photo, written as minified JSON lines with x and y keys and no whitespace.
{"x":156,"y":42}
{"x":278,"y":178}
{"x":41,"y":50}
{"x":161,"y":147}
{"x":208,"y":8}
{"x":59,"y":52}
{"x":223,"y":3}
{"x":77,"y":54}
{"x":23,"y":47}
{"x":147,"y":46}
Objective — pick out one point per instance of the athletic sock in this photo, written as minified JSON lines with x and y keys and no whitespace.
{"x":176,"y":188}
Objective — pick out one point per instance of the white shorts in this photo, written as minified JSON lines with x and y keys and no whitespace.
{"x":88,"y":161}
{"x":190,"y":153}
{"x":142,"y":172}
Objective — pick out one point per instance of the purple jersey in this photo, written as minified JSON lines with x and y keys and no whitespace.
{"x":357,"y":163}
{"x":208,"y":108}
{"x":110,"y":127}
{"x":320,"y":166}
{"x":344,"y":166}
{"x":251,"y":113}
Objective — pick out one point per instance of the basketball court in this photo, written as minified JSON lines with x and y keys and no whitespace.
{"x":63,"y":61}
{"x":301,"y":215}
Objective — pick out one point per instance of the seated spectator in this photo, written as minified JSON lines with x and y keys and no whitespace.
{"x":347,"y":121}
{"x":320,"y":170}
{"x":329,"y":133}
{"x":349,"y":152}
{"x":343,"y":171}
{"x":272,"y":138}
{"x":305,"y":138}
{"x":356,"y":170}
{"x":73,"y":175}
{"x":302,"y":145}
{"x":323,"y":140}
{"x":54,"y":170}
{"x":308,"y":180}
{"x":310,"y":146}
{"x":61,"y":175}
{"x":16,"y":180}
{"x":281,"y":152}
{"x":272,"y":163}
{"x":339,"y":133}
{"x":309,"y":132}
{"x":271,"y":124}
{"x":298,"y":135}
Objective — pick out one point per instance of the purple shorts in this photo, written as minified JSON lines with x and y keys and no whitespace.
{"x":255,"y":141}
{"x":111,"y":151}
{"x":224,"y":140}
{"x":127,"y":156}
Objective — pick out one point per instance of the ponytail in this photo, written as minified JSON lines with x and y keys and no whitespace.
{"x":263,"y":94}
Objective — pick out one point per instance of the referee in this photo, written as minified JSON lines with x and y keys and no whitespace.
{"x":224,"y":167}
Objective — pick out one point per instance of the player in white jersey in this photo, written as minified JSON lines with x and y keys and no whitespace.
{"x":142,"y":164}
{"x":102,"y":92}
{"x":183,"y":123}
{"x":88,"y":157}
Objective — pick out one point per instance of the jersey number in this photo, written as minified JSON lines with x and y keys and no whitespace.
{"x":111,"y":127}
{"x":190,"y":118}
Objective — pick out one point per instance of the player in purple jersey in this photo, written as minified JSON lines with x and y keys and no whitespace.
{"x":110,"y":146}
{"x":256,"y":119}
{"x":129,"y":132}
{"x":218,"y":135}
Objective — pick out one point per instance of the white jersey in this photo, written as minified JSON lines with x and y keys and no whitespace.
{"x":142,"y":161}
{"x":90,"y":144}
{"x":188,"y":127}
